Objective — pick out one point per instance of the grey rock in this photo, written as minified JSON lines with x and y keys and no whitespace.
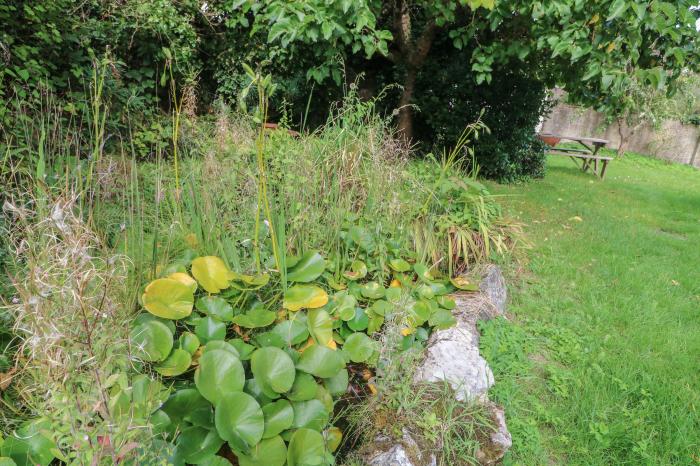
{"x":404,"y":452}
{"x":452,"y":355}
{"x":493,"y":285}
{"x":499,"y":440}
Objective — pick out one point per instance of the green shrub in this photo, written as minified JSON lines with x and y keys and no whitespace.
{"x":513,"y":104}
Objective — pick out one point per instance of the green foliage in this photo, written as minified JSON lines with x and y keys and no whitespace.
{"x":271,"y":398}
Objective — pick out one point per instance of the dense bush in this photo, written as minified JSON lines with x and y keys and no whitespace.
{"x":513,"y":104}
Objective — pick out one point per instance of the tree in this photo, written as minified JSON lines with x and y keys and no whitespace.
{"x":592,"y":49}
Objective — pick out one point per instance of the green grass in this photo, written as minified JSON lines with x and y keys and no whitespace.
{"x":600,"y":364}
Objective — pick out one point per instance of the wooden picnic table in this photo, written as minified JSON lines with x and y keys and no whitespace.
{"x":586,"y":158}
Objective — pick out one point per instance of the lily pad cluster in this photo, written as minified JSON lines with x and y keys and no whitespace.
{"x":256,"y":365}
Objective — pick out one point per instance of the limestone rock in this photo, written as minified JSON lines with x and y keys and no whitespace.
{"x":499,"y":440}
{"x":453,"y":355}
{"x":404,"y":452}
{"x":493,"y":285}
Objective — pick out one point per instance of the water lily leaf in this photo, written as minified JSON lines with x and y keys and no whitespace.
{"x":393,"y":294}
{"x":29,"y":450}
{"x":419,"y":313}
{"x":463,"y":283}
{"x":360,"y":321}
{"x":270,"y":339}
{"x":362,"y":237}
{"x":439,"y":289}
{"x":304,"y":387}
{"x":422,"y":334}
{"x":215,"y":306}
{"x":423,"y":273}
{"x":219,"y":372}
{"x":189,"y":342}
{"x":304,"y":297}
{"x":209,"y":328}
{"x":442,"y":319}
{"x":269,"y":452}
{"x":333,"y":437}
{"x":239,"y":420}
{"x":425,"y":291}
{"x":381,"y":307}
{"x":168,"y":298}
{"x":212,"y":461}
{"x":372,"y":290}
{"x":279,"y":416}
{"x":333,"y":283}
{"x":249,"y":282}
{"x":345,"y":305}
{"x":359,"y":347}
{"x":307,"y":269}
{"x":221,"y":345}
{"x":196,"y":444}
{"x":358,"y":270}
{"x":212,"y":273}
{"x":188,"y":405}
{"x":273,"y":369}
{"x":310,"y":414}
{"x":446,"y":302}
{"x":244,"y":349}
{"x":255,"y":318}
{"x":177,"y":363}
{"x":399,"y":265}
{"x":185,"y":279}
{"x":253,"y":388}
{"x":321,"y":327}
{"x":375,"y":324}
{"x":320,"y":361}
{"x":293,"y":331}
{"x":338,"y":384}
{"x":152,"y":341}
{"x":306,"y":447}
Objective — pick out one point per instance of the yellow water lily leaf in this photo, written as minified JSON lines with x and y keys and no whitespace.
{"x":395,"y":284}
{"x":184,"y":279}
{"x":212,"y":273}
{"x":407,"y":331}
{"x":168,"y":298}
{"x":304,"y":297}
{"x":464,"y":284}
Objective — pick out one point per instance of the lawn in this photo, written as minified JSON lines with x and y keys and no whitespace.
{"x":600,"y":361}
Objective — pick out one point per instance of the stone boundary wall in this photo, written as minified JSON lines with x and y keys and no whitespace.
{"x":673,"y":141}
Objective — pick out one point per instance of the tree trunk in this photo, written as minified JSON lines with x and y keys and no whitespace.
{"x":405,"y":124}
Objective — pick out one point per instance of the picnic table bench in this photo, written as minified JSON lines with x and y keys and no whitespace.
{"x":586,"y":158}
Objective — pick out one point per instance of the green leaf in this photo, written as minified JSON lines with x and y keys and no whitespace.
{"x":279,"y":417}
{"x":358,"y":270}
{"x":188,"y":405}
{"x":359,"y":347}
{"x":320,"y":361}
{"x":304,"y":387}
{"x":309,"y":267}
{"x":273,"y":369}
{"x":208,"y":329}
{"x":306,"y":448}
{"x":151,"y":340}
{"x":168,"y":298}
{"x":463,"y":283}
{"x":310,"y":414}
{"x":423,"y":273}
{"x":372,"y":290}
{"x":29,"y":450}
{"x":320,"y":326}
{"x":196,"y":444}
{"x":244,"y":349}
{"x":176,"y":364}
{"x":293,"y":331}
{"x":338,"y":384}
{"x":219,"y":372}
{"x":399,"y":265}
{"x":255,"y":318}
{"x":215,"y":306}
{"x":617,"y":8}
{"x":345,"y":305}
{"x":269,"y":452}
{"x":360,"y":321}
{"x":212,"y":273}
{"x":221,"y":345}
{"x":442,"y":319}
{"x":189,"y":342}
{"x":239,"y":420}
{"x":304,"y":297}
{"x":381,"y":307}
